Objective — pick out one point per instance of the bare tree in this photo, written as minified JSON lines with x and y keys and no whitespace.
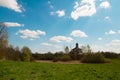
{"x":3,"y":35}
{"x":66,"y":49}
{"x":86,"y":49}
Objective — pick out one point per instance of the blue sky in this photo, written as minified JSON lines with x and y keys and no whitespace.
{"x":50,"y":25}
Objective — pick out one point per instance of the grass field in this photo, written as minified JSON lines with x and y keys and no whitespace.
{"x":54,"y":71}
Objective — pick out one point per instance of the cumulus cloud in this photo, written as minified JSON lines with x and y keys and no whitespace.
{"x":60,"y":39}
{"x":85,"y":8}
{"x":99,"y":38}
{"x":11,"y":24}
{"x":114,"y":43}
{"x":60,"y":13}
{"x":53,"y":46}
{"x":110,"y":32}
{"x":57,"y":46}
{"x":78,"y":33}
{"x":105,"y":5}
{"x":11,"y":4}
{"x":30,"y":34}
{"x":76,"y":5}
{"x":46,"y":44}
{"x":113,"y":46}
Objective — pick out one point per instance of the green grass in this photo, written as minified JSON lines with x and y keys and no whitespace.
{"x":49,"y":71}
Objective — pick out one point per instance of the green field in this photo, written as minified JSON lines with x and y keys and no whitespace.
{"x":54,"y":71}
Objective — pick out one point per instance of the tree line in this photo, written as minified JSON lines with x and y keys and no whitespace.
{"x":8,"y":52}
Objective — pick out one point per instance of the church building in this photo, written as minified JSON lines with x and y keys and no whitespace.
{"x":75,"y":52}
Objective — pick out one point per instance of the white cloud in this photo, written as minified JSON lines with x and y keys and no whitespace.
{"x":58,"y":46}
{"x":46,"y":44}
{"x":30,"y":34}
{"x":60,"y":13}
{"x":76,"y":5}
{"x":78,"y":33}
{"x":105,"y":5}
{"x":53,"y":46}
{"x":118,"y":31}
{"x":107,"y":18}
{"x":110,"y":32}
{"x":99,"y":38}
{"x":11,"y":4}
{"x":61,"y":38}
{"x":85,"y":8}
{"x":50,"y":4}
{"x":12,"y":24}
{"x":113,"y":46}
{"x":97,"y":48}
{"x":114,"y":43}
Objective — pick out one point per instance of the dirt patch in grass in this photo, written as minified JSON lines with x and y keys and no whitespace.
{"x":60,"y":62}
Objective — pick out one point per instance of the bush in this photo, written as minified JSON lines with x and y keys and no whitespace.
{"x":111,"y":55}
{"x":26,"y":54}
{"x":62,"y":58}
{"x":46,"y":56}
{"x":93,"y":58}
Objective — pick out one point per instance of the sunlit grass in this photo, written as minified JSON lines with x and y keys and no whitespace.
{"x":54,"y":71}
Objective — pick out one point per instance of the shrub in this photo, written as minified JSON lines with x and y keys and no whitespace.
{"x":26,"y":54}
{"x":93,"y":58}
{"x":111,"y":55}
{"x":62,"y":58}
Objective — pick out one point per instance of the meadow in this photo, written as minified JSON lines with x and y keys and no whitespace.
{"x":15,"y":70}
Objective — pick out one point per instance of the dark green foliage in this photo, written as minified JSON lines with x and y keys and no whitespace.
{"x":111,"y":55}
{"x":74,"y":54}
{"x":60,"y":56}
{"x":9,"y":53}
{"x":26,"y":54}
{"x":12,"y":54}
{"x":64,"y":57}
{"x":2,"y":53}
{"x":93,"y":58}
{"x":45,"y":56}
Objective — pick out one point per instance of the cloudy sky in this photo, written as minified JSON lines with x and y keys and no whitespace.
{"x":50,"y":25}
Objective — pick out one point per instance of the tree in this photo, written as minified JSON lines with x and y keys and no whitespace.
{"x":66,"y":49}
{"x":86,"y":49}
{"x":10,"y":53}
{"x":3,"y":40}
{"x":26,"y":54}
{"x":3,"y":35}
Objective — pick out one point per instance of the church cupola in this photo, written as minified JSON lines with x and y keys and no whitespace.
{"x":77,"y":46}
